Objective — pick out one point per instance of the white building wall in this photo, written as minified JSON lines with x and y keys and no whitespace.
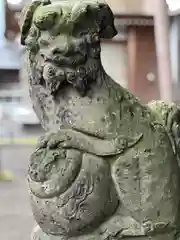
{"x":175,"y":48}
{"x":114,"y":60}
{"x":10,"y":58}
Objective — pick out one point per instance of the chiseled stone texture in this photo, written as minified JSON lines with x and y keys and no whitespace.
{"x":107,"y":168}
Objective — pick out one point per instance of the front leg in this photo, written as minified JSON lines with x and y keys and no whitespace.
{"x":99,"y":147}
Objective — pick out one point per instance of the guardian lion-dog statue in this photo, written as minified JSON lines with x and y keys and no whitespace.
{"x":108,"y":166}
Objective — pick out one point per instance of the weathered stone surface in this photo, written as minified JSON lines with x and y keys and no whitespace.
{"x":108,"y":166}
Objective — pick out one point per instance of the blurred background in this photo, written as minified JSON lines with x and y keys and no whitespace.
{"x":144,"y":57}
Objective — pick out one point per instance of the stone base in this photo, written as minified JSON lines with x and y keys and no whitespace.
{"x":39,"y":235}
{"x":158,"y":237}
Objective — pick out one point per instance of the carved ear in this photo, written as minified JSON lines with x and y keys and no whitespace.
{"x":106,"y":18}
{"x":27,"y":16}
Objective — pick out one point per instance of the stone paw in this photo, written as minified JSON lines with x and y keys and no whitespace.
{"x":148,"y":227}
{"x":43,"y":140}
{"x":60,"y":138}
{"x":52,"y":140}
{"x":123,"y":143}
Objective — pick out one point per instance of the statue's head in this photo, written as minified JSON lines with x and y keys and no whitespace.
{"x":63,"y":40}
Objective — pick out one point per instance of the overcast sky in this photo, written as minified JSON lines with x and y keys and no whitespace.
{"x":173,"y":4}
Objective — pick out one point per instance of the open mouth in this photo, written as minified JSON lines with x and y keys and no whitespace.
{"x":63,"y":61}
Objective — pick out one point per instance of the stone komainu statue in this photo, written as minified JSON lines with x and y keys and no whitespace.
{"x":108,"y":166}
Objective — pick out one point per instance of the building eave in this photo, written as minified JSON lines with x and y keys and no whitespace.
{"x":124,"y":20}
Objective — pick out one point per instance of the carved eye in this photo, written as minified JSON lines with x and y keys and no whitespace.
{"x":51,"y":72}
{"x":45,"y":21}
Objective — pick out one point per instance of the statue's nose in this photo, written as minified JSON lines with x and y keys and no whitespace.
{"x":68,"y":47}
{"x":65,"y":49}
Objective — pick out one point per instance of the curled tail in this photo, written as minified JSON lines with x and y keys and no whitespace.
{"x":169,"y":115}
